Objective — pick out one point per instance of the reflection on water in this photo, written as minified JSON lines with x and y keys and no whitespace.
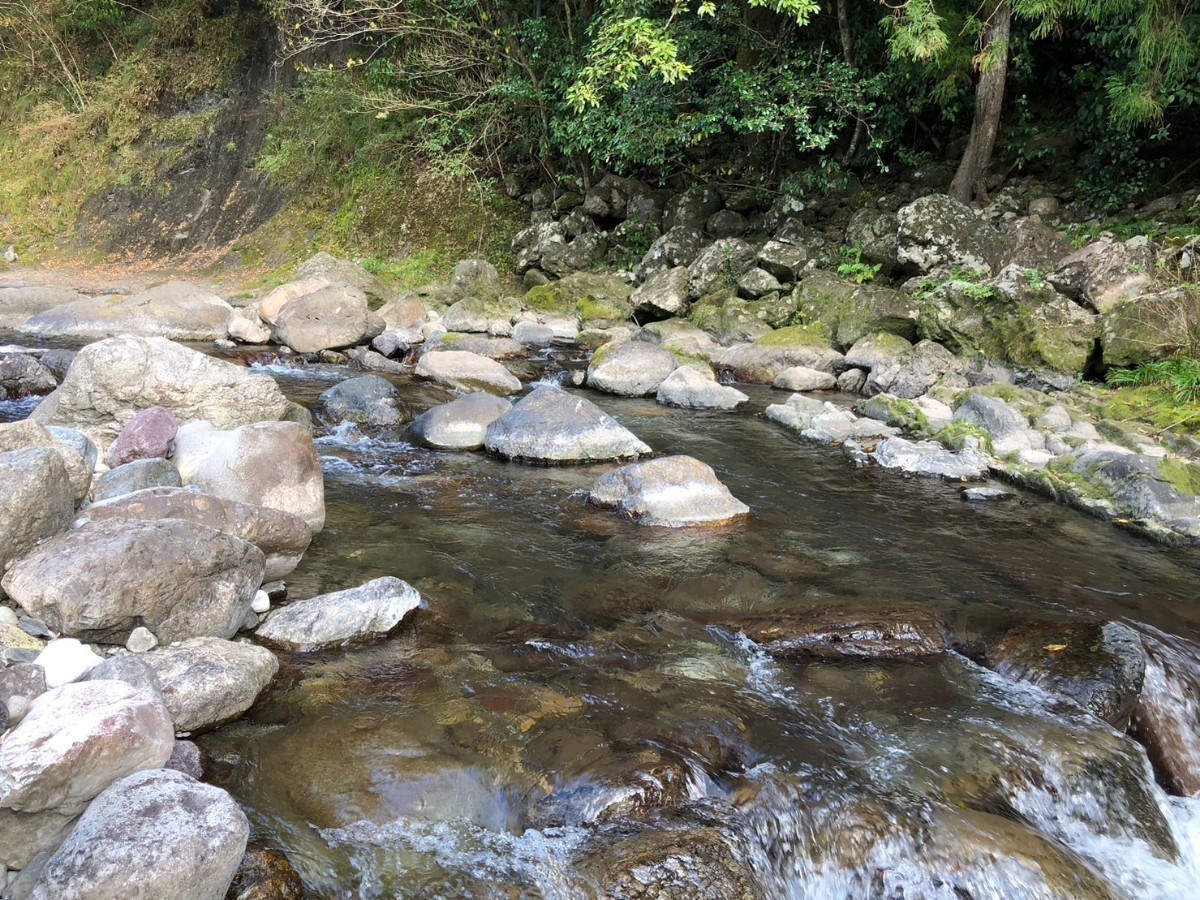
{"x":576,"y":712}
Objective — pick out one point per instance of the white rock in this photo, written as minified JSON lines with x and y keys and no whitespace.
{"x":261,"y":602}
{"x":7,"y":616}
{"x":374,"y":608}
{"x":141,"y":639}
{"x":66,"y":660}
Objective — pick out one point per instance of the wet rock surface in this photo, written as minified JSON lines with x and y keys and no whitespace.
{"x":371,"y":610}
{"x":551,"y":426}
{"x":670,"y":492}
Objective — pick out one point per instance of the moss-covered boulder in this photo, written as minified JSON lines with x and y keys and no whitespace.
{"x":1151,"y":327}
{"x":1018,"y":319}
{"x":482,"y":315}
{"x":851,"y":311}
{"x":730,"y":319}
{"x":598,"y":301}
{"x":894,"y":411}
{"x":764,"y":360}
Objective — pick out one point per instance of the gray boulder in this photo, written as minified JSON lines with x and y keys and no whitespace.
{"x":679,"y":246}
{"x":1151,"y":327}
{"x":148,"y":435}
{"x":111,"y":380}
{"x":719,"y":266}
{"x":875,"y":232}
{"x":207,"y":681}
{"x":138,"y":475}
{"x":157,"y":833}
{"x":533,"y":334}
{"x":177,"y":310}
{"x":922,"y":367}
{"x":670,"y":492}
{"x":327,"y":318}
{"x":26,"y":836}
{"x":23,"y":376}
{"x":475,"y":276}
{"x":940,"y":232}
{"x":27,"y":435}
{"x":880,"y":354}
{"x":271,"y":464}
{"x":36,"y":500}
{"x":281,"y":536}
{"x":1032,"y":244}
{"x":1007,"y":426}
{"x":78,"y":739}
{"x":785,"y":260}
{"x":460,"y":424}
{"x":764,"y":360}
{"x":550,"y":426}
{"x":758,"y":283}
{"x":931,"y":458}
{"x":825,"y":423}
{"x":802,"y":378}
{"x":482,"y":315}
{"x":20,"y":685}
{"x":370,"y":610}
{"x":664,"y":294}
{"x":851,"y":311}
{"x":690,"y":388}
{"x":58,"y":362}
{"x":692,"y":208}
{"x":323,"y":266}
{"x":369,"y":400}
{"x":726,"y":223}
{"x":1105,"y":273}
{"x":99,"y":582}
{"x":466,"y":371}
{"x":630,"y":368}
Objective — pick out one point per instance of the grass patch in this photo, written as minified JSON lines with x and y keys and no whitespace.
{"x":795,"y":336}
{"x":956,"y":436}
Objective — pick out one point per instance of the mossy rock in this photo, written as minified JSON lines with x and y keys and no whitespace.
{"x":729,"y":318}
{"x":850,"y":311}
{"x":597,"y":300}
{"x":796,"y":336}
{"x":1182,"y":475}
{"x":959,"y":435}
{"x":894,"y":411}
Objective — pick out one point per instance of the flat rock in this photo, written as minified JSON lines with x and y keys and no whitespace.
{"x":139,"y":475}
{"x":551,"y":426}
{"x":271,"y":464}
{"x":99,"y":582}
{"x":36,"y":500}
{"x":931,"y":458}
{"x":824,"y":422}
{"x":690,"y":388}
{"x":630,"y":368}
{"x":112,"y":380}
{"x":207,"y":681}
{"x":177,"y":310}
{"x":671,"y":492}
{"x":460,"y":424}
{"x":370,"y":610}
{"x":281,"y":536}
{"x":466,"y":371}
{"x":78,"y":739}
{"x":802,"y":378}
{"x":148,"y":835}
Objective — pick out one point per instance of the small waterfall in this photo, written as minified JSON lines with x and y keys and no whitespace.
{"x":1166,"y":719}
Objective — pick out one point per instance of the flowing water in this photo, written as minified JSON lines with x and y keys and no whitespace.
{"x":575,"y":710}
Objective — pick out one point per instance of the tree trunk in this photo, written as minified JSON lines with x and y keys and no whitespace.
{"x":860,"y":125}
{"x":969,"y":183}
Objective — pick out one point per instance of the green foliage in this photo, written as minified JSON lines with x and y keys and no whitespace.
{"x":854,"y":268}
{"x":957,"y":435}
{"x":1180,"y":376}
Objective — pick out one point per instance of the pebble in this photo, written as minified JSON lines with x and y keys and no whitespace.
{"x":66,"y":660}
{"x":261,"y":602}
{"x":7,"y":616}
{"x":140,"y":640}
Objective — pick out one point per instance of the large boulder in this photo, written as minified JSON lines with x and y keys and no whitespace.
{"x":692,"y":208}
{"x":148,"y":435}
{"x":78,"y":739}
{"x":664,"y":294}
{"x":177,"y":310}
{"x":1151,"y":327}
{"x":206,"y":681}
{"x":19,"y":303}
{"x":678,"y":246}
{"x":370,"y":610}
{"x":671,"y":491}
{"x":719,"y":266}
{"x":460,"y":424}
{"x":691,"y":388}
{"x":327,"y":318}
{"x":27,"y":435}
{"x":1032,"y":244}
{"x":921,"y":368}
{"x":597,"y":300}
{"x":36,"y":500}
{"x":23,"y":376}
{"x":1007,"y":426}
{"x":1105,"y":273}
{"x":482,"y":315}
{"x":939,"y":232}
{"x":99,"y":582}
{"x":157,"y":833}
{"x":802,"y":378}
{"x":369,"y":400}
{"x":764,"y":360}
{"x":23,"y":836}
{"x":880,"y":355}
{"x":272,"y":464}
{"x":874,"y":232}
{"x":1018,"y":320}
{"x":551,"y":426}
{"x":851,"y":311}
{"x":466,"y":371}
{"x":111,"y":380}
{"x":281,"y":536}
{"x":403,"y":320}
{"x":325,"y":267}
{"x":825,"y":423}
{"x":630,"y":368}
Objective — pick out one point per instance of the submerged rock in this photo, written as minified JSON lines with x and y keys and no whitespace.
{"x":1099,"y":665}
{"x":153,"y":834}
{"x":207,"y":681}
{"x":888,"y":631}
{"x":671,"y":492}
{"x":265,"y":874}
{"x":179,"y":579}
{"x":551,"y":426}
{"x":460,"y":424}
{"x":371,"y":610}
{"x":1166,"y":717}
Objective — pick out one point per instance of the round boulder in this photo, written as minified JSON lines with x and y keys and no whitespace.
{"x":630,"y":368}
{"x":550,"y":426}
{"x":672,"y":492}
{"x":148,"y":435}
{"x":369,"y":400}
{"x":207,"y":681}
{"x":690,"y":388}
{"x":460,"y":424}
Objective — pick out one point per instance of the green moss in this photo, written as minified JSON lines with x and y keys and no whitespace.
{"x":894,"y":411}
{"x":795,"y":336}
{"x":1182,"y":475}
{"x":601,"y":300}
{"x":956,"y":435}
{"x":1153,"y":405}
